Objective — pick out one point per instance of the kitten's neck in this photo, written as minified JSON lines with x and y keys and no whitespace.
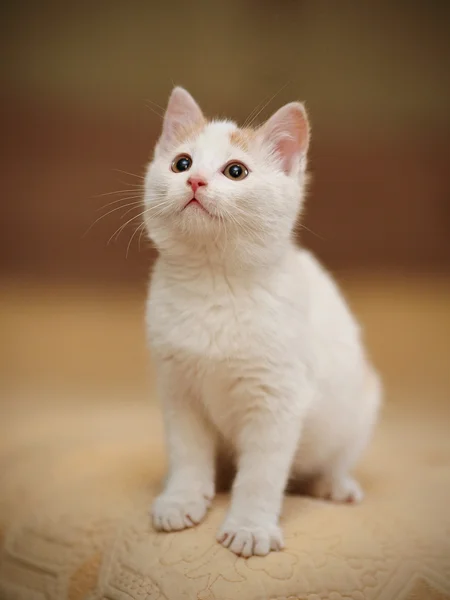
{"x":213,"y":259}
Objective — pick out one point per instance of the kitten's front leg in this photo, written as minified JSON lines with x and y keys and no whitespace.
{"x":266,"y":448}
{"x":191,"y":450}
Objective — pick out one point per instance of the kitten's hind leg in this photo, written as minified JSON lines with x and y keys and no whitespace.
{"x":334,"y":482}
{"x":336,"y":487}
{"x":327,"y":486}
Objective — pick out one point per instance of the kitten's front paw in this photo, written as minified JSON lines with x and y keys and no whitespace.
{"x":173,"y":513}
{"x":245,"y":539}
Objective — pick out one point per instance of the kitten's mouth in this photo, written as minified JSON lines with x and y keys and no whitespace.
{"x":196,"y":204}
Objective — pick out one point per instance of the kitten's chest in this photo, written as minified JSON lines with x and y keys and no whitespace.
{"x":209,"y":326}
{"x":217,"y":332}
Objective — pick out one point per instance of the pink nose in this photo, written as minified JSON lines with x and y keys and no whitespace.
{"x":196,"y":182}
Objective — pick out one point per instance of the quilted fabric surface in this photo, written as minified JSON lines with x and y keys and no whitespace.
{"x":78,"y":485}
{"x":78,"y":469}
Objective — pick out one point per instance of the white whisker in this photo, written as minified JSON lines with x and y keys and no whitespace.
{"x":137,"y":198}
{"x":128,"y":173}
{"x":108,"y":213}
{"x":140,"y":236}
{"x":158,"y":114}
{"x":115,"y":192}
{"x":120,"y":229}
{"x":267,"y":104}
{"x":131,"y":239}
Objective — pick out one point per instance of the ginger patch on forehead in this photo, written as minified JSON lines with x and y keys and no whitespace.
{"x":242,"y":138}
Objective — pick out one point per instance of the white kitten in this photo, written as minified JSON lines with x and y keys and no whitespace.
{"x":255,"y":348}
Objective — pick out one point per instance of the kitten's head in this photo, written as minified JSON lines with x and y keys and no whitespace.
{"x":211,"y":183}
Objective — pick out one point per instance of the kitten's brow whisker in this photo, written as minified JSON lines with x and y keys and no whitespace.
{"x":267,"y":103}
{"x":128,"y":173}
{"x":156,"y":112}
{"x":136,"y":186}
{"x":301,"y":226}
{"x":125,"y":181}
{"x":156,"y":104}
{"x":252,"y":112}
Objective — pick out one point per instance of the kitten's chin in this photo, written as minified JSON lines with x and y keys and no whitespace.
{"x":197,"y":223}
{"x":189,"y":226}
{"x":195,"y":205}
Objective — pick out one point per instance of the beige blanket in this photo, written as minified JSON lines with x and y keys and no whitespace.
{"x":77,"y":483}
{"x":78,"y":472}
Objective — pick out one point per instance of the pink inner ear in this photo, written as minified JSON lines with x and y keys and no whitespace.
{"x":287,"y":132}
{"x":182,"y":114}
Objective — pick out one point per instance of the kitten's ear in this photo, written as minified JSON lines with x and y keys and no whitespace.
{"x":182,"y":114}
{"x":287,"y":132}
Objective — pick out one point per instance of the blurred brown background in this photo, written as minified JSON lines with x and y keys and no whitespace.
{"x":81,"y":87}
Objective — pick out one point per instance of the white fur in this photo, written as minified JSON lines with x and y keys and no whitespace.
{"x":256,"y":349}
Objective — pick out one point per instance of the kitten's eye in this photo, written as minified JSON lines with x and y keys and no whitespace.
{"x":181,"y":163}
{"x":235,"y":170}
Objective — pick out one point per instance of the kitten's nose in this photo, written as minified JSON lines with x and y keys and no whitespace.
{"x":196,"y":182}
